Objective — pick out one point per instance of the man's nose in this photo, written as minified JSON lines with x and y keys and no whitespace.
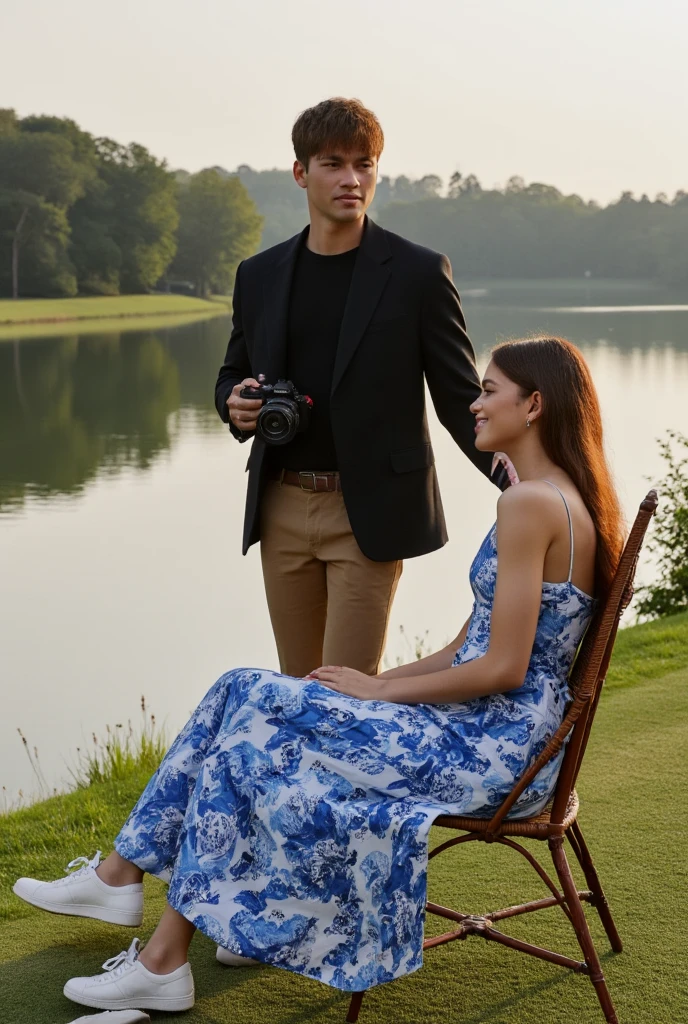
{"x":349,"y":178}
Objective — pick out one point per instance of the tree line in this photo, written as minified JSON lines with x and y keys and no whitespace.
{"x":535,"y":231}
{"x":85,"y":215}
{"x":517,"y":231}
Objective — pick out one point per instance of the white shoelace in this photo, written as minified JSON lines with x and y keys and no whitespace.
{"x":116,"y":965}
{"x":82,"y":865}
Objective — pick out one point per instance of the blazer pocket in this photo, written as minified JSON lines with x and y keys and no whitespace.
{"x":409,"y":459}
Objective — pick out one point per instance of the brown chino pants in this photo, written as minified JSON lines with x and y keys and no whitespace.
{"x":328,"y":603}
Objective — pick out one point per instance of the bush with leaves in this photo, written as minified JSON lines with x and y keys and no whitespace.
{"x":669,"y":540}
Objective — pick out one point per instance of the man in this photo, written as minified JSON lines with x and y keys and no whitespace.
{"x":357,"y":318}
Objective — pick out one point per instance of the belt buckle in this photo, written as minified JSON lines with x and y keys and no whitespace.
{"x":314,"y":477}
{"x":303,"y":474}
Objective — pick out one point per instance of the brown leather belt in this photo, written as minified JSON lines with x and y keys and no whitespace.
{"x":308,"y":481}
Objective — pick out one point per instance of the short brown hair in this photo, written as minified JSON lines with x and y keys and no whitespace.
{"x":337,"y":123}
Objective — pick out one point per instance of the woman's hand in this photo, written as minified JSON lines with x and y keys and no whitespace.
{"x":349,"y":681}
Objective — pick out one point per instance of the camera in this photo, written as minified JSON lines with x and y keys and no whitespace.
{"x":285,"y":412}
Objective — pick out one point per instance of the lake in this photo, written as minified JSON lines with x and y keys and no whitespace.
{"x":122,"y":494}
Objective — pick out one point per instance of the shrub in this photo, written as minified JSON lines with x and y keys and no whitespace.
{"x":669,"y":539}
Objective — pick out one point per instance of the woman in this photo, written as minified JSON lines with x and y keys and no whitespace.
{"x":293,"y":814}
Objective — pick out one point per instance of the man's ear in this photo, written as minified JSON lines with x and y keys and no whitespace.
{"x":300,"y":174}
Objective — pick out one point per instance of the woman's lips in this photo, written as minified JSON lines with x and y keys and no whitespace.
{"x":480,"y":424}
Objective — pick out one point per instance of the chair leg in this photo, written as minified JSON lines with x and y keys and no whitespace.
{"x":595,"y":886}
{"x":354,"y":1007}
{"x":568,"y":885}
{"x":591,"y":877}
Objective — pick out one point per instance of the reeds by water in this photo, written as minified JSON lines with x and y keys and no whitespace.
{"x":110,"y":758}
{"x":122,"y":750}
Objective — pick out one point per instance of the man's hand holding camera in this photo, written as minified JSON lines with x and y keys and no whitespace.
{"x":276,"y":412}
{"x":243,"y":412}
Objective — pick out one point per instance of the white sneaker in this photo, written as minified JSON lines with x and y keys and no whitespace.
{"x":229,"y":959}
{"x":127,"y":984}
{"x":114,"y":1017}
{"x":83,"y":894}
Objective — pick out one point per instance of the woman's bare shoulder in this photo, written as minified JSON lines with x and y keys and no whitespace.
{"x":527,"y":517}
{"x":526,"y":497}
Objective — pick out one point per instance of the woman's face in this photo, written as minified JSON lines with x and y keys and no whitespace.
{"x":500,"y":412}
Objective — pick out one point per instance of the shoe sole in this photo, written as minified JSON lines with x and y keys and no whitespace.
{"x":121,"y":917}
{"x":169,"y":1003}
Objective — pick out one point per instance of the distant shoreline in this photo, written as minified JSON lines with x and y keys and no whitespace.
{"x":19,"y":313}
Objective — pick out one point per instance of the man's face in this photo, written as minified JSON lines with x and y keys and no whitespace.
{"x":340,"y":185}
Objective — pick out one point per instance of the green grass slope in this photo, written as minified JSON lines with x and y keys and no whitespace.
{"x":26,"y":311}
{"x":632,"y":792}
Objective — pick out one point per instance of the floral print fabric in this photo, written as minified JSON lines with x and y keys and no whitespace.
{"x":294,"y":820}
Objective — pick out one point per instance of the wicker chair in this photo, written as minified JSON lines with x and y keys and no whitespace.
{"x":559,"y":819}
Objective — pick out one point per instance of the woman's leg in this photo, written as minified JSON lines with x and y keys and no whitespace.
{"x":156,"y":978}
{"x":115,"y":870}
{"x":168,"y":947}
{"x":150,"y":838}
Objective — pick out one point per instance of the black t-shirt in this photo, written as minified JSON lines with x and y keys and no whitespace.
{"x":316,"y":306}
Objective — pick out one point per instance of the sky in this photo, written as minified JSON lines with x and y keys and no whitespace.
{"x":590,"y":96}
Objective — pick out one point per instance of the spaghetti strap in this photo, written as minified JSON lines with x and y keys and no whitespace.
{"x":568,"y":513}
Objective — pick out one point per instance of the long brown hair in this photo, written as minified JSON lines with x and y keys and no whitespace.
{"x":570,"y":429}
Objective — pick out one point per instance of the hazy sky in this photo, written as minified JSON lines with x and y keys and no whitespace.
{"x":589,"y":95}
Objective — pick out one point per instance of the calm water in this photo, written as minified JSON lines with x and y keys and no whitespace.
{"x":121,"y":501}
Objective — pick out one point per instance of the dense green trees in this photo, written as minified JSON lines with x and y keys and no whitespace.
{"x":518,"y":231}
{"x":85,"y":215}
{"x":123,"y":228}
{"x":534,"y":231}
{"x":89,"y":216}
{"x":278,"y":198}
{"x":41,"y":176}
{"x":219,"y":225}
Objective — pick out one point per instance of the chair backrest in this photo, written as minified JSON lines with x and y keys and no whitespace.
{"x":592,"y":661}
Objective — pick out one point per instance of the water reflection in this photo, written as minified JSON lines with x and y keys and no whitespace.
{"x":625,"y":331}
{"x":77,"y":406}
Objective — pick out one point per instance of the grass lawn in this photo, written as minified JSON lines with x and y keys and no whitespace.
{"x":28,"y":311}
{"x":633,"y":794}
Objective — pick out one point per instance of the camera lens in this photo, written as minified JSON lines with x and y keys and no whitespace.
{"x":278,"y":421}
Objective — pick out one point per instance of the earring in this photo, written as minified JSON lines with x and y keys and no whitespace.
{"x":528,"y":422}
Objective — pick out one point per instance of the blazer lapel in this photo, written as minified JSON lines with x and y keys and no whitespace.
{"x":271,"y":343}
{"x":371,"y":273}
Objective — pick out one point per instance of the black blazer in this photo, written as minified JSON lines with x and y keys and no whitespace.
{"x":402,"y":325}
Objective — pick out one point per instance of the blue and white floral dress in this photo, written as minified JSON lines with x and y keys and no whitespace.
{"x":295,"y":820}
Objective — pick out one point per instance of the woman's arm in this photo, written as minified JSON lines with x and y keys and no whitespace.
{"x":433,"y":663}
{"x":525,"y":529}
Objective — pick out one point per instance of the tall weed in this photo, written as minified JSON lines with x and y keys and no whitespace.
{"x":120,"y":752}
